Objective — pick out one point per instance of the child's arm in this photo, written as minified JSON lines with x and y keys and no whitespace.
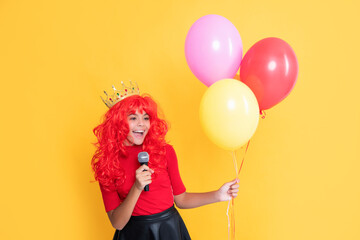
{"x":191,"y":200}
{"x":120,"y":216}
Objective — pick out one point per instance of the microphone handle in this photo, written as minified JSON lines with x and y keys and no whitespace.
{"x":146,"y":188}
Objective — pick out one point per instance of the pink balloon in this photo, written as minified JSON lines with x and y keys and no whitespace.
{"x":213,"y":49}
{"x":270,"y":70}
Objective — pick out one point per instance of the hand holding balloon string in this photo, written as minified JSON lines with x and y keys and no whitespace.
{"x":228,"y":191}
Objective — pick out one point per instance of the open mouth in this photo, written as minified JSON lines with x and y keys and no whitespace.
{"x":139,"y":133}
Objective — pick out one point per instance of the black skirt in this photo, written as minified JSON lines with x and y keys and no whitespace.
{"x":167,"y":225}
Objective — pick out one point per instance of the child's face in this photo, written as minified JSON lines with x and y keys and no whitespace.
{"x":139,"y":124}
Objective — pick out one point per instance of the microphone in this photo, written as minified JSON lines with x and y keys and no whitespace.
{"x":143,"y":158}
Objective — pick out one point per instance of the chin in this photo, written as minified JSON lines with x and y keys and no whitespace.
{"x":136,"y":143}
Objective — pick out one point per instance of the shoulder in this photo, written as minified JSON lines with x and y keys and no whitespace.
{"x":170,"y":154}
{"x":169,"y":149}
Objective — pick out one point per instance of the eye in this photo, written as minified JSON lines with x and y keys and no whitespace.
{"x":146,"y":118}
{"x":132,"y":118}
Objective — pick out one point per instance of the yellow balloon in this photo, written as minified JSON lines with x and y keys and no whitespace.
{"x":229,"y":113}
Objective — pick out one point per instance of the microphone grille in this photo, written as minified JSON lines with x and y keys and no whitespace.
{"x":143,"y":157}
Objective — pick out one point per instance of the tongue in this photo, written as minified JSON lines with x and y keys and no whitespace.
{"x":138,"y":134}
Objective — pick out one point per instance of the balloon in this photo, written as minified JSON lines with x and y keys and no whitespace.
{"x":213,"y":49}
{"x":270,"y":69}
{"x":229,"y":113}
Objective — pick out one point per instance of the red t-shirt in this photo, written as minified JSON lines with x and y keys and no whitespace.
{"x":164,"y":185}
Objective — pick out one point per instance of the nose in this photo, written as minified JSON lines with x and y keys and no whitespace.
{"x":140,"y":122}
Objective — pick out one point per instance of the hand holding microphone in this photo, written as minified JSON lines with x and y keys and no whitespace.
{"x":143,"y":174}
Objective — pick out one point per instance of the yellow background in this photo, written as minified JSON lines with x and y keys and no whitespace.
{"x":301,"y":174}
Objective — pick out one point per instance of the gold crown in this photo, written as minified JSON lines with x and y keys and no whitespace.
{"x":119,"y":95}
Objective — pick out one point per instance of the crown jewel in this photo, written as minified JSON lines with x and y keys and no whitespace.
{"x":119,"y":95}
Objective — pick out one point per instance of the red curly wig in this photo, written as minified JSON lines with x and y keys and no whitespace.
{"x":113,"y":131}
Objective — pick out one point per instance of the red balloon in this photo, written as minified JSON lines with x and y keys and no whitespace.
{"x":269,"y":69}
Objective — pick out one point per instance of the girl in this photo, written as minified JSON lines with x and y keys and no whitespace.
{"x":131,"y":126}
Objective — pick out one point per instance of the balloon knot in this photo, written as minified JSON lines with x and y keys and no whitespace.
{"x":263,"y":114}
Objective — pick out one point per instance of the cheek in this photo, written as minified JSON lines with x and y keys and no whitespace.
{"x":130,"y":125}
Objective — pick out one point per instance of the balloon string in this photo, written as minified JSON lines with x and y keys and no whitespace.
{"x":228,"y":217}
{"x":231,"y":205}
{"x":235,"y":164}
{"x":231,"y":219}
{"x":242,"y":161}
